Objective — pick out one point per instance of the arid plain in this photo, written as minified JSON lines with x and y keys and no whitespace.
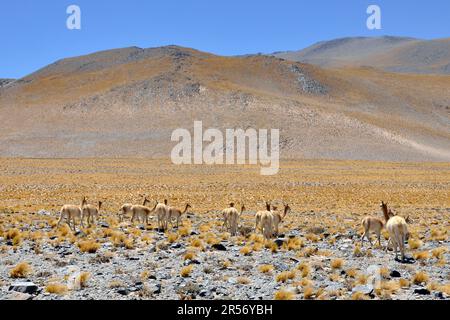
{"x":318,"y":256}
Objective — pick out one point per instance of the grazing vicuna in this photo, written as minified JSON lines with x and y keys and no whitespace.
{"x":126,"y":209}
{"x":397,"y":229}
{"x":72,"y":212}
{"x":143,"y":212}
{"x":162,"y":214}
{"x":176,"y":214}
{"x":91,"y":212}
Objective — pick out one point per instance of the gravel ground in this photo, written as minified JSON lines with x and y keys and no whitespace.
{"x":221,"y":272}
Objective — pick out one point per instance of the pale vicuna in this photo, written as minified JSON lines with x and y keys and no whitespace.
{"x":258,"y":217}
{"x":71,"y":213}
{"x":279,"y":217}
{"x":125,"y":210}
{"x":177,"y":214}
{"x":162,"y":214}
{"x":91,"y":212}
{"x":231,"y":218}
{"x":226,"y":215}
{"x":142,"y":212}
{"x":397,"y":229}
{"x":376,"y":225}
{"x":264,"y":222}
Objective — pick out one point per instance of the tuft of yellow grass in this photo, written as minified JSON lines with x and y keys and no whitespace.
{"x":337,"y":263}
{"x":243,"y":280}
{"x":357,"y":251}
{"x":403,"y":283}
{"x":84,"y":278}
{"x":88,"y":246}
{"x":246,"y":250}
{"x":360,"y":296}
{"x":172,"y":237}
{"x":186,"y":271}
{"x":56,"y":288}
{"x":304,"y":268}
{"x":439,"y":252}
{"x":423,"y":255}
{"x":285,"y":276}
{"x":184,"y":231}
{"x":20,"y":271}
{"x":284,"y":295}
{"x":265,"y":268}
{"x":420,"y":278}
{"x":308,"y":293}
{"x":414,"y":243}
{"x":189,"y":255}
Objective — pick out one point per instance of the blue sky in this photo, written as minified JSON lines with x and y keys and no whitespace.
{"x":33,"y":33}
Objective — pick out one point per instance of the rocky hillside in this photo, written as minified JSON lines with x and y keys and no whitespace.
{"x":127,"y":102}
{"x":394,"y":54}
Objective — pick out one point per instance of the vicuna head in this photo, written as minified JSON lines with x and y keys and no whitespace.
{"x":386,"y":212}
{"x":232,"y":205}
{"x":268,"y":206}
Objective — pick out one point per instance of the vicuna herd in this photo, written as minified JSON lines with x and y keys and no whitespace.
{"x":267,"y":222}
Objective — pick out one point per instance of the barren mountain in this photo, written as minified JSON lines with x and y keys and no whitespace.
{"x":127,"y":102}
{"x":388,"y":53}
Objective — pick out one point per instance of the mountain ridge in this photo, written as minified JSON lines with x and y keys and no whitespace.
{"x":126,"y":102}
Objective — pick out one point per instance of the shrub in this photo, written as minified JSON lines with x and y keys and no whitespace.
{"x":88,"y":246}
{"x":186,"y":271}
{"x":56,"y":288}
{"x":420,"y":278}
{"x":265,"y":268}
{"x":284,"y":295}
{"x":337,"y":263}
{"x":22,"y":270}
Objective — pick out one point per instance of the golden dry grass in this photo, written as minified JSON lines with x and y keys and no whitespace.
{"x":56,"y":288}
{"x":22,"y":270}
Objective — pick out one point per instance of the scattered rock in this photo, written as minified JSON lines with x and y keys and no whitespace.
{"x":104,"y":225}
{"x":219,"y":247}
{"x":280,"y":242}
{"x":123,"y":291}
{"x":422,"y":291}
{"x":24,"y":287}
{"x":176,"y":246}
{"x":395,"y":274}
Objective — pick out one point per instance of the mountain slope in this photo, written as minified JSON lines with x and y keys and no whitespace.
{"x":388,"y":53}
{"x":127,"y":102}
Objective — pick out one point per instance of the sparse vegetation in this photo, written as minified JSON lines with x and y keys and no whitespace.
{"x":56,"y":288}
{"x":22,"y":270}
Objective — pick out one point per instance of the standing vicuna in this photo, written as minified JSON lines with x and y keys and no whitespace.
{"x":278,"y":218}
{"x":231,"y":218}
{"x":258,"y":217}
{"x":398,"y":230}
{"x":264,"y":222}
{"x":376,"y":225}
{"x":175,"y":213}
{"x":71,"y":212}
{"x":162,"y":213}
{"x":91,"y":212}
{"x":143,"y":212}
{"x":126,"y":209}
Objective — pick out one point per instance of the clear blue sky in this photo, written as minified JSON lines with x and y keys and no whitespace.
{"x":33,"y":33}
